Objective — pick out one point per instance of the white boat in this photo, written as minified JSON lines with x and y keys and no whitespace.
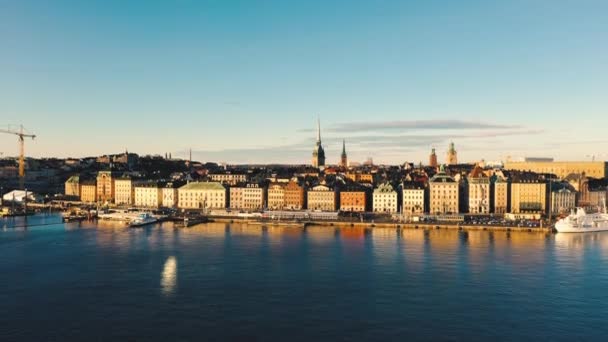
{"x":143,"y":219}
{"x":118,"y":215}
{"x":581,"y":222}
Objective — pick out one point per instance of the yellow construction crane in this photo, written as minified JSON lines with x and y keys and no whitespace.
{"x":22,"y":137}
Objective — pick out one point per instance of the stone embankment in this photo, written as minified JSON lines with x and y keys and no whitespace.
{"x":392,"y":225}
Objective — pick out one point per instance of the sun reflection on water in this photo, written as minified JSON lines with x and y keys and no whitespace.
{"x":168,"y":279}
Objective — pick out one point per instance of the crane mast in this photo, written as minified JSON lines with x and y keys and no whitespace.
{"x":21,"y":135}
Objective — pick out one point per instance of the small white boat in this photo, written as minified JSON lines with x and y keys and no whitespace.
{"x":581,"y":222}
{"x":142,"y":220}
{"x":118,"y":215}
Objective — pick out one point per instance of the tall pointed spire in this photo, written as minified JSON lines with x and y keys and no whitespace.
{"x":318,"y":155}
{"x":318,"y":130}
{"x":343,"y":158}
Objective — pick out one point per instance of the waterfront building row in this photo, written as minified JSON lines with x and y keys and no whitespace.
{"x":478,"y":193}
{"x":594,"y":169}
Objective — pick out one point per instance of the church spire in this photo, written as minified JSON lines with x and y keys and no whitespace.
{"x":318,"y":130}
{"x":318,"y":155}
{"x":343,"y":158}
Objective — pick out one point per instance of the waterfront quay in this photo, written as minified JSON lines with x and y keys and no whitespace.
{"x":385,"y":225}
{"x":328,"y":220}
{"x":454,"y":194}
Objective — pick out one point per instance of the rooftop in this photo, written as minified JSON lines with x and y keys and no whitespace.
{"x":384,"y":188}
{"x":73,"y":179}
{"x":203,"y":186}
{"x":442,"y":177}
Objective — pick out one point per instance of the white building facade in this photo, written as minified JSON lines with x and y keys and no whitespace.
{"x":384,"y":199}
{"x":443,"y":194}
{"x":412,"y":199}
{"x":202,"y":195}
{"x":148,"y":195}
{"x":479,"y":192}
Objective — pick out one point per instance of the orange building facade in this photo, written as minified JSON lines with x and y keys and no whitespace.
{"x":354,"y":200}
{"x":105,"y":187}
{"x":294,"y":196}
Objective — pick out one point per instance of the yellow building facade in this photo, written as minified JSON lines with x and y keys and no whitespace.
{"x":501,"y":197}
{"x":322,"y":197}
{"x":413,"y":199}
{"x":124,"y":192}
{"x":88,"y":192}
{"x":561,"y":169}
{"x":229,"y":178}
{"x":528,"y":197}
{"x":443,"y":194}
{"x":358,"y":177}
{"x":276,"y":196}
{"x":72,"y":186}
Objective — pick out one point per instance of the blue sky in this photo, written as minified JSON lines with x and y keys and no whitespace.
{"x":244,"y":81}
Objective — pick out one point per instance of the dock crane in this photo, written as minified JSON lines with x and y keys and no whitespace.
{"x":22,"y":137}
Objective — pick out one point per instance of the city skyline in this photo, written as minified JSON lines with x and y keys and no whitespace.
{"x":394,"y":81}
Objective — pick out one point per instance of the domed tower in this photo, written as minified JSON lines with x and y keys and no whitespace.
{"x":452,"y":158}
{"x":318,"y":154}
{"x":343,"y":158}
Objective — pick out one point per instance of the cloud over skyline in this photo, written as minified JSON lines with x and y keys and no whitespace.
{"x":416,"y":125}
{"x":390,"y":143}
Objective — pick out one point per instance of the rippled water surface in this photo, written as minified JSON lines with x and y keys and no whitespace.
{"x":105,"y":282}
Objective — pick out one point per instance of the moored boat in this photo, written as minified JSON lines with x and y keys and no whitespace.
{"x":142,"y":220}
{"x":581,"y":222}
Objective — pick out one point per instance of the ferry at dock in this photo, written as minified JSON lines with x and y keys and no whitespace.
{"x":142,"y":220}
{"x":581,"y":222}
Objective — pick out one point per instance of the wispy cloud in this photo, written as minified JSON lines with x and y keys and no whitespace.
{"x":358,"y":146}
{"x":233,"y":103}
{"x":416,"y":125}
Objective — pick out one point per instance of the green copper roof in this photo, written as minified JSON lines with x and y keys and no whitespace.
{"x":203,"y":186}
{"x":384,"y":188}
{"x":73,"y":179}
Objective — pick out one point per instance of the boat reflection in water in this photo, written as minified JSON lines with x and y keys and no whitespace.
{"x":581,"y":241}
{"x":168,"y":278}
